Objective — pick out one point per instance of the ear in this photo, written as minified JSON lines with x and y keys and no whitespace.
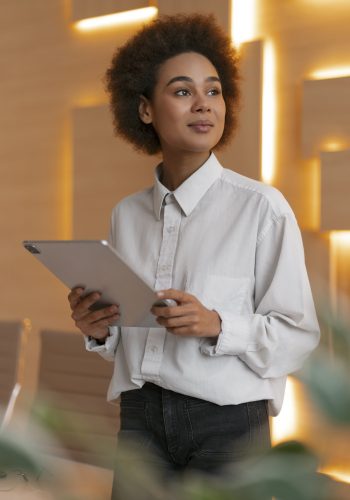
{"x":145,"y":110}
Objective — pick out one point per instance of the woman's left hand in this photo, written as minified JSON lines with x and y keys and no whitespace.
{"x":188,"y":318}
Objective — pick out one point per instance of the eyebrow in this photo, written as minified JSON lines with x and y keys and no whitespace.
{"x":188,"y":79}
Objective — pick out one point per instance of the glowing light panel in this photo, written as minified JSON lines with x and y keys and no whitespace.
{"x":335,"y":72}
{"x":110,"y":20}
{"x":243,"y":21}
{"x":337,"y":475}
{"x":341,"y":238}
{"x":268,"y":155}
{"x":284,"y":426}
{"x":333,"y":144}
{"x":65,"y":184}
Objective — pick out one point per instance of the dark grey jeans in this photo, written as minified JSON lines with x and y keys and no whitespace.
{"x":183,"y":433}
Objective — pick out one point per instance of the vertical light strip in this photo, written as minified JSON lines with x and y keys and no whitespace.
{"x":339,"y":247}
{"x":268,"y":140}
{"x":243,"y":21}
{"x":65,"y":229}
{"x":332,"y":285}
{"x":284,"y":426}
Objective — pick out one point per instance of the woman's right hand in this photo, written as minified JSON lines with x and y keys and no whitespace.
{"x":91,"y":323}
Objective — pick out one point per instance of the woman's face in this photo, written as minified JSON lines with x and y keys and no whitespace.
{"x":187,"y":109}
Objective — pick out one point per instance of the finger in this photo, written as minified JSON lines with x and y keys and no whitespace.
{"x":97,"y":329}
{"x":172,"y":311}
{"x":186,"y":331}
{"x":177,"y":295}
{"x":183,"y":321}
{"x":83,"y":306}
{"x":74,"y":296}
{"x":104,"y":313}
{"x":92,"y":316}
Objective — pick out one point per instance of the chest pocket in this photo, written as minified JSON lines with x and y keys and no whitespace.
{"x":222,"y":292}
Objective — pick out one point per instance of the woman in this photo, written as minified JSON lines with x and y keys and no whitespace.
{"x":225,"y":248}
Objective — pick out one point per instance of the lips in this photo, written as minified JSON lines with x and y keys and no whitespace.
{"x":201,"y":126}
{"x":199,"y":123}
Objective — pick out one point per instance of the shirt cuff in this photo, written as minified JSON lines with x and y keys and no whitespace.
{"x":234,"y":336}
{"x":109,"y":345}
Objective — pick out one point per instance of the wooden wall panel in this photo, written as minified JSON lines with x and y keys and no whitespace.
{"x":106,"y":169}
{"x":307,"y":36}
{"x":221,"y":10}
{"x":47,"y":69}
{"x":335,"y":189}
{"x":244,"y":153}
{"x":325,"y":115}
{"x":317,"y":258}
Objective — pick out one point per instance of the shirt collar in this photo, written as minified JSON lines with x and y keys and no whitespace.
{"x":191,"y":190}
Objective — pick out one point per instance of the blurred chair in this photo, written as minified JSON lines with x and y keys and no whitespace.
{"x":72,"y":388}
{"x":13,"y":336}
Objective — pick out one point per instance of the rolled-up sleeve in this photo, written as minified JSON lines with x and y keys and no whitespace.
{"x":108,"y":349}
{"x":276,"y":339}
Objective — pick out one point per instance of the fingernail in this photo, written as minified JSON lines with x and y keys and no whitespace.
{"x":160,"y":294}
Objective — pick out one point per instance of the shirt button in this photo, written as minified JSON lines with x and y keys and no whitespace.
{"x":154,"y":349}
{"x":165,"y":268}
{"x":170,"y":229}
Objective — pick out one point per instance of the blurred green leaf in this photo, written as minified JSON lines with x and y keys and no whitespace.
{"x":328,"y":383}
{"x":13,"y":457}
{"x":287,"y":472}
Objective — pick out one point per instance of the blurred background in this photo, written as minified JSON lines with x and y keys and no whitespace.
{"x":62,"y":170}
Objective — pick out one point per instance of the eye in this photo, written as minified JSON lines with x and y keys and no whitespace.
{"x":214,"y":91}
{"x":182,"y":92}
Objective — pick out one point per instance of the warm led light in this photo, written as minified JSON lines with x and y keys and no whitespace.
{"x":268,"y":155}
{"x":100,"y":22}
{"x":340,"y":238}
{"x":90,"y":99}
{"x":243,"y":19}
{"x":336,"y":72}
{"x":284,"y":426}
{"x":337,"y":475}
{"x":333,"y":145}
{"x":65,"y":184}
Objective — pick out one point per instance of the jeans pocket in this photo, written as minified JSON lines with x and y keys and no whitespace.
{"x":133,"y":412}
{"x":219,"y":430}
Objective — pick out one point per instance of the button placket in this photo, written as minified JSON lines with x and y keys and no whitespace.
{"x":172,"y":220}
{"x":154,"y":348}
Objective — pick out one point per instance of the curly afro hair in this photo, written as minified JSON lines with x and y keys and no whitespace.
{"x":134,"y":67}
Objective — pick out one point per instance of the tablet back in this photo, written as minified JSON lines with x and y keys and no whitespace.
{"x":96,"y":266}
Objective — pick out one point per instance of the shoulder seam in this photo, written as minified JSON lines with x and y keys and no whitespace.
{"x":274,"y":220}
{"x":259,"y":193}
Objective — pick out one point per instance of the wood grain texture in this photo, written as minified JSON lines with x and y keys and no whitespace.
{"x":73,"y":384}
{"x":325,"y":115}
{"x":243,"y":154}
{"x":335,"y":189}
{"x":106,"y":169}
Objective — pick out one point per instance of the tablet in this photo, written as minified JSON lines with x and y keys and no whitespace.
{"x":96,"y":266}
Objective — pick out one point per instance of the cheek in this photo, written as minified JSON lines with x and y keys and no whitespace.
{"x":223,"y":109}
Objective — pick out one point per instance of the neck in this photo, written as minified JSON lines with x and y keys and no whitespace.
{"x":178,"y":167}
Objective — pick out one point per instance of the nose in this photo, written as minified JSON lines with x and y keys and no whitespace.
{"x":201,"y":104}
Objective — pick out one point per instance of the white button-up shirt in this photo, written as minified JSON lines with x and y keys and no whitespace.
{"x":234,"y":243}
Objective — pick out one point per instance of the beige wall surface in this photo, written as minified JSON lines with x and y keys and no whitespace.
{"x":47,"y":70}
{"x":62,"y":170}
